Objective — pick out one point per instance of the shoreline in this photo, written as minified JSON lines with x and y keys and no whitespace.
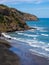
{"x":26,"y":57}
{"x":7,"y":57}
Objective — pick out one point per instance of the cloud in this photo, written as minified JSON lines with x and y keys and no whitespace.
{"x":21,"y":1}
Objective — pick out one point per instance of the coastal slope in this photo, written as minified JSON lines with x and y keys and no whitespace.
{"x":12,"y":19}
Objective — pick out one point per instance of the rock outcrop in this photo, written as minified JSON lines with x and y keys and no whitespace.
{"x":30,"y":17}
{"x":11,"y":19}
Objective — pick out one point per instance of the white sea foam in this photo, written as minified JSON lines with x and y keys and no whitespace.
{"x":39,"y":28}
{"x":39,"y":46}
{"x":19,"y":31}
{"x":32,"y":30}
{"x":32,"y":43}
{"x":48,"y":43}
{"x":34,"y":40}
{"x":8,"y":36}
{"x":39,"y":53}
{"x":42,"y":30}
{"x":46,"y":49}
{"x":29,"y":35}
{"x":35,"y":46}
{"x":5,"y":35}
{"x":45,"y":34}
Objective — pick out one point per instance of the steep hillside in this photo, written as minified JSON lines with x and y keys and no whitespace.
{"x":11,"y":19}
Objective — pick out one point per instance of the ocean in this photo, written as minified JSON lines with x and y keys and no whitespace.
{"x":37,"y":39}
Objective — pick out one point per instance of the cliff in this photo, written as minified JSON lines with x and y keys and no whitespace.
{"x":30,"y":17}
{"x":12,"y":19}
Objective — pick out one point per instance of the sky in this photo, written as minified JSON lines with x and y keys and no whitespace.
{"x":40,"y":8}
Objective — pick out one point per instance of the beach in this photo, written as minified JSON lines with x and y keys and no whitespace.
{"x":24,"y":32}
{"x":31,"y":46}
{"x":26,"y":57}
{"x":7,"y":57}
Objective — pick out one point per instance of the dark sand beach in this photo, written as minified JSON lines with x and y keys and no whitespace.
{"x":26,"y":56}
{"x":16,"y":47}
{"x":7,"y":57}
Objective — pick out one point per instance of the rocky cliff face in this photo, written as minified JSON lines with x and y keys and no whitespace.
{"x":11,"y":19}
{"x":30,"y":17}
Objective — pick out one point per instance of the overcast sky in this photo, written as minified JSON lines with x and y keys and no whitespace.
{"x":39,"y":8}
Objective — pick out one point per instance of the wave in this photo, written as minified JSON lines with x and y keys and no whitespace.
{"x":39,"y":45}
{"x":38,"y":28}
{"x":19,"y":39}
{"x":46,"y":49}
{"x":34,"y":44}
{"x":31,"y":30}
{"x":48,"y":44}
{"x":45,"y":34}
{"x":39,"y":53}
{"x":29,"y":35}
{"x":6,"y":35}
{"x":41,"y":29}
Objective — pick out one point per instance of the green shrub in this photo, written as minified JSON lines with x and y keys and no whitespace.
{"x":1,"y":17}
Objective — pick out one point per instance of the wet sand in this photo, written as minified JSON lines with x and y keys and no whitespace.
{"x":7,"y":57}
{"x":26,"y":57}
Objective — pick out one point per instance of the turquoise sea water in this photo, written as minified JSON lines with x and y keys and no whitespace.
{"x":37,"y":39}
